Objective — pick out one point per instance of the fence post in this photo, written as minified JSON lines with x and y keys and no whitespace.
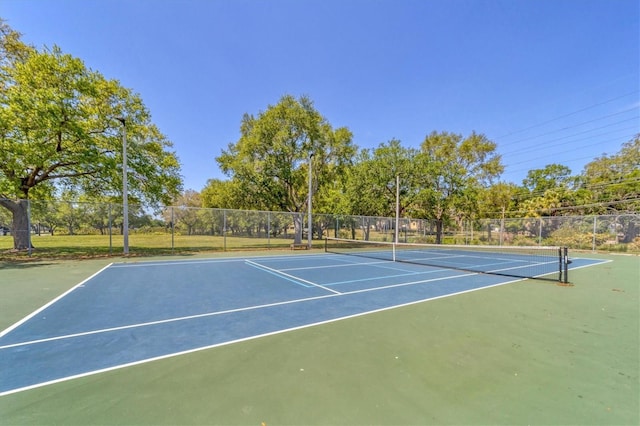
{"x":29,"y":249}
{"x":110,"y":233}
{"x":593,"y":242}
{"x":172,"y":229}
{"x":224,"y":230}
{"x":268,"y":229}
{"x":540,"y":231}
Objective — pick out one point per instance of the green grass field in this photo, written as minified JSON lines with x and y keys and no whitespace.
{"x":529,"y":352}
{"x":73,"y":246}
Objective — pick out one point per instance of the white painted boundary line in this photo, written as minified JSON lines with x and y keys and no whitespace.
{"x":228,"y":311}
{"x":164,"y":321}
{"x":287,"y":257}
{"x":144,"y":361}
{"x":600,"y":262}
{"x":28,"y":317}
{"x":117,"y":367}
{"x":174,"y":262}
{"x":287,"y":276}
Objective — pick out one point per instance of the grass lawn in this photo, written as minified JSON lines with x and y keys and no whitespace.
{"x":72,"y":246}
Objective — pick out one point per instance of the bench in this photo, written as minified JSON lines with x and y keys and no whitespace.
{"x":301,"y":246}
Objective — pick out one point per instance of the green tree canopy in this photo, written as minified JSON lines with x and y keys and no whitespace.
{"x":613,"y":181}
{"x":546,"y":191}
{"x":59,"y":127}
{"x":550,"y":177}
{"x":221,"y":194}
{"x":372,"y":183}
{"x":453,"y":168}
{"x":270,"y":161}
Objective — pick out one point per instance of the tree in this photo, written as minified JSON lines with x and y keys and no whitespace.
{"x":613,"y":182}
{"x":59,"y":127}
{"x":452,"y":169}
{"x":372,"y":181}
{"x":548,"y":190}
{"x":372,"y":185}
{"x":186,"y":211}
{"x":496,"y":200}
{"x":221,"y":194}
{"x":550,"y":177}
{"x":270,"y":161}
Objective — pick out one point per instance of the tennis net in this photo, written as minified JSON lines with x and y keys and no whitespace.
{"x":547,"y":263}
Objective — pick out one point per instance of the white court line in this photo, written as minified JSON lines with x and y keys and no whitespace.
{"x":600,"y":261}
{"x":174,"y":262}
{"x":382,"y":264}
{"x":117,"y":367}
{"x":529,"y":265}
{"x":165,"y":321}
{"x":287,"y":276}
{"x":219,"y":312}
{"x":229,"y":311}
{"x":136,"y":264}
{"x":144,"y":361}
{"x":31,"y":315}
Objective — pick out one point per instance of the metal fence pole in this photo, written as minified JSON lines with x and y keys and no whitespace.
{"x":540,"y":231}
{"x":29,"y":249}
{"x":172,"y":229}
{"x":224,"y":230}
{"x":110,"y":232}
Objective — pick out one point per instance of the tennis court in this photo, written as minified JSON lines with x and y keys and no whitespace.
{"x":135,"y":312}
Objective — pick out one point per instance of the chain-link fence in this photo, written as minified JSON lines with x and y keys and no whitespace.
{"x":61,"y":227}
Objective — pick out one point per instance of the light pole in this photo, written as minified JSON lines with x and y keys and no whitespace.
{"x":309,"y":218}
{"x":125,"y":195}
{"x":397,"y":230}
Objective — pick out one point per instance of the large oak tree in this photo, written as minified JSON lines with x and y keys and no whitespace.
{"x":61,"y":125}
{"x":269,"y":163}
{"x":453,"y":169}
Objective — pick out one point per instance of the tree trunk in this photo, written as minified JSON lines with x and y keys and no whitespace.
{"x":367,"y":228}
{"x":629,"y":231}
{"x":297,"y":227}
{"x":20,"y":226}
{"x":439,"y":226}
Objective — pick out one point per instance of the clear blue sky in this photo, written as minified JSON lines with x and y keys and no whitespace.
{"x":550,"y":81}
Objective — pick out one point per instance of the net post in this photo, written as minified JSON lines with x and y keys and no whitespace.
{"x":560,"y":267}
{"x":566,"y":264}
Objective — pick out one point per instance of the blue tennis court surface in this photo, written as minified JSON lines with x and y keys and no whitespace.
{"x":129,"y":313}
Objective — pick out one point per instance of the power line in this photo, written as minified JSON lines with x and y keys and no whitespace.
{"x":601,"y":186}
{"x":582,"y":124}
{"x":569,"y":114}
{"x":598,"y":142}
{"x":537,"y":145}
{"x":573,"y":207}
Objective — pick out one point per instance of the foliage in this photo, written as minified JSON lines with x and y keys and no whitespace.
{"x":371,"y":187}
{"x":453,"y":169}
{"x":61,"y":128}
{"x":221,"y":194}
{"x":566,"y":236}
{"x":613,"y":182}
{"x":61,"y":125}
{"x":608,"y":184}
{"x":270,"y":162}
